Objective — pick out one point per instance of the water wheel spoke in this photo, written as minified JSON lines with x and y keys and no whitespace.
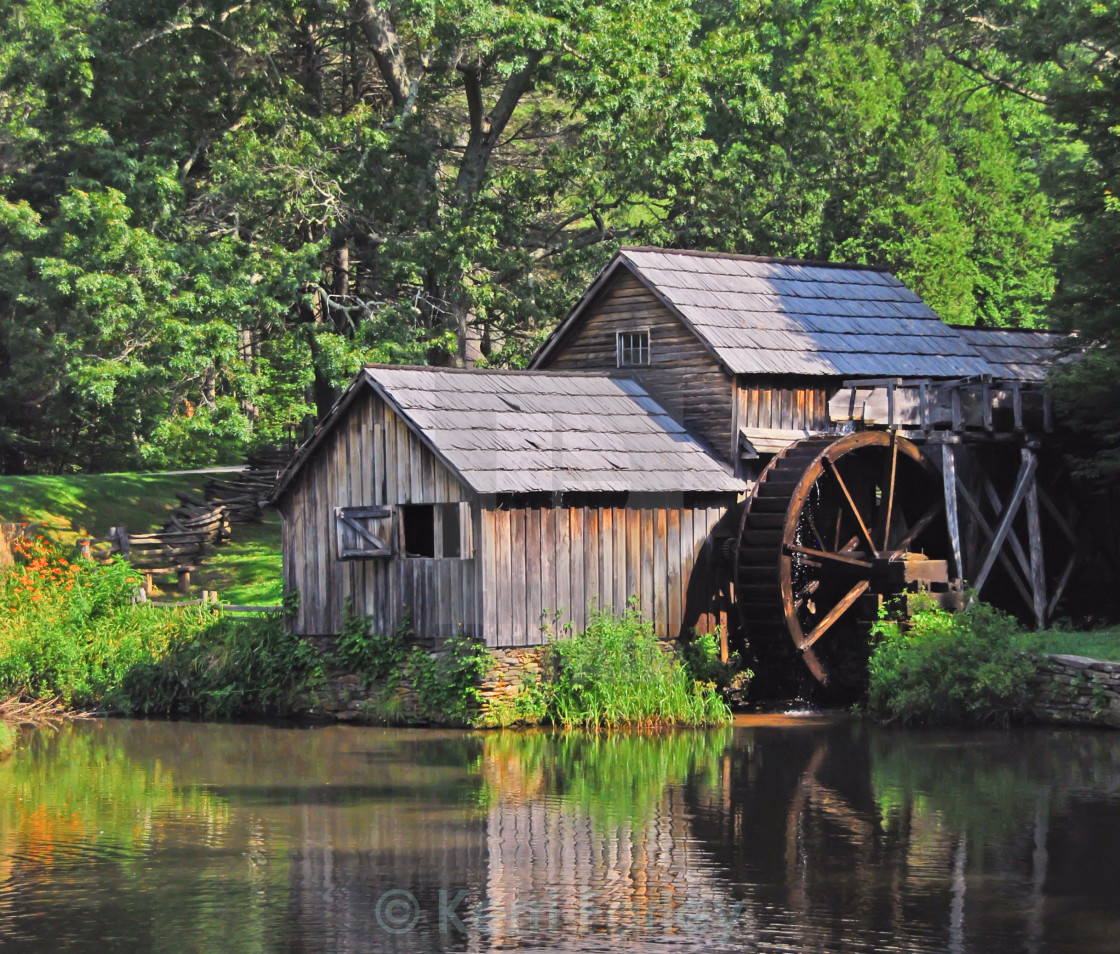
{"x":917,"y":529}
{"x":838,"y":559}
{"x":886,"y":505}
{"x":832,"y":469}
{"x":835,"y":613}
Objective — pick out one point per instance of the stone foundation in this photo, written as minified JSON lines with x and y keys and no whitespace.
{"x":347,"y":698}
{"x":1075,"y":690}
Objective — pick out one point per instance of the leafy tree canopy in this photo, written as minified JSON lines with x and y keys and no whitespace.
{"x":212,"y":213}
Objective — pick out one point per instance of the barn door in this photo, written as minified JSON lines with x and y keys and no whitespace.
{"x":363,"y":532}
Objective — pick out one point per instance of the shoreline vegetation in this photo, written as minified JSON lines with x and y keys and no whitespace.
{"x":73,"y":639}
{"x":71,"y":631}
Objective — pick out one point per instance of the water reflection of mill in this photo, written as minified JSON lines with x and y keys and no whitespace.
{"x":822,"y":838}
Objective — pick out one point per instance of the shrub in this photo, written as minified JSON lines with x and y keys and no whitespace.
{"x":68,"y":628}
{"x":616,"y":673}
{"x":946,"y":668}
{"x":229,"y":668}
{"x":378,"y":657}
{"x":447,"y":682}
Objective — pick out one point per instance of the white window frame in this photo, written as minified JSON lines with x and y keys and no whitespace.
{"x":625,"y":344}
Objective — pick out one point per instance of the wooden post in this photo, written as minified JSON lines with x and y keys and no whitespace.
{"x":183,"y":581}
{"x":952,"y":518}
{"x":84,"y":548}
{"x":1034,"y":542}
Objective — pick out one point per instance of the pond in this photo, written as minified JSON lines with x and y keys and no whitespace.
{"x":779,"y":834}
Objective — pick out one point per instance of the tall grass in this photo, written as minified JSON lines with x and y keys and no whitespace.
{"x":616,"y":673}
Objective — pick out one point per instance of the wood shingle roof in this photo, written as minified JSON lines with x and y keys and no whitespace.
{"x":1014,"y":354}
{"x":509,"y":431}
{"x":531,"y":432}
{"x":775,"y":316}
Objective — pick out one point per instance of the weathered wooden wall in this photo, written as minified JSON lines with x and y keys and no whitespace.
{"x":682,"y":374}
{"x":538,"y":562}
{"x":782,"y":403}
{"x":372,"y":458}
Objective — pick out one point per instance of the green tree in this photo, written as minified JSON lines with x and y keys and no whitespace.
{"x":1065,"y":58}
{"x":884,"y":151}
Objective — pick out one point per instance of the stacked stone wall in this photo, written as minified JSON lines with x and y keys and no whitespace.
{"x":1075,"y":690}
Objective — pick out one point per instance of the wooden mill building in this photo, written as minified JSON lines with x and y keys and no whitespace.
{"x":505,"y":504}
{"x":488,"y":502}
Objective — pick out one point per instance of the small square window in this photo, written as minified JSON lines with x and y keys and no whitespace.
{"x":440,"y":531}
{"x":633,"y":349}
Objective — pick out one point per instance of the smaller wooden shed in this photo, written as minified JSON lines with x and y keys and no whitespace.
{"x":500,"y":504}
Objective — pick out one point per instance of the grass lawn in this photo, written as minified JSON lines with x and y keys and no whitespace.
{"x":1097,"y":644}
{"x":245,"y":569}
{"x":69,"y":507}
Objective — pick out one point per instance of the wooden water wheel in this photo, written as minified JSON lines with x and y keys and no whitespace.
{"x":833,"y":527}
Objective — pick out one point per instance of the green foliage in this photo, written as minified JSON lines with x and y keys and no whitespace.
{"x":446,"y":682}
{"x":379,"y":657}
{"x":211,"y":215}
{"x":528,"y":705}
{"x":227,"y":669}
{"x":68,"y":627}
{"x":615,"y":673}
{"x":701,"y":655}
{"x":947,"y":668}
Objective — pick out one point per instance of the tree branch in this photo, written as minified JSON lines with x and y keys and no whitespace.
{"x":385,"y":47}
{"x":994,"y":79}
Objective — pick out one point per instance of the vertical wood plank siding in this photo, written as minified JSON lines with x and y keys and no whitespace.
{"x":683,"y":375}
{"x":371,"y":458}
{"x":782,"y":403}
{"x":599,"y":557}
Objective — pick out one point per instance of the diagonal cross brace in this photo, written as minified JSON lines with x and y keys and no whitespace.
{"x":1018,"y":495}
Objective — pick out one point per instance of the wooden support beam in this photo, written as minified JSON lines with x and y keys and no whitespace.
{"x":1034,"y":542}
{"x":952,"y":518}
{"x":981,"y":524}
{"x":1063,"y":525}
{"x":1026,"y":475}
{"x":1063,"y":581}
{"x":1012,"y":539}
